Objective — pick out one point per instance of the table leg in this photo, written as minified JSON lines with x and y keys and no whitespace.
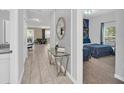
{"x":49,"y":56}
{"x":60,"y":66}
{"x":66,"y":65}
{"x":61,"y":63}
{"x":56,"y":66}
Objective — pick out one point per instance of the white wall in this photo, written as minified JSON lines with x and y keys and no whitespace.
{"x":1,"y":31}
{"x":119,"y":66}
{"x":17,"y":45}
{"x":25,"y":35}
{"x":8,"y":31}
{"x":44,"y":19}
{"x":21,"y":42}
{"x":76,"y":48}
{"x":14,"y":46}
{"x":72,"y":41}
{"x":52,"y":29}
{"x":95,"y":25}
{"x":4,"y":15}
{"x":66,"y":41}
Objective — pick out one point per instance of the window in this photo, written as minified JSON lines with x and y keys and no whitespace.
{"x":109,"y":34}
{"x":30,"y":35}
{"x":47,"y":34}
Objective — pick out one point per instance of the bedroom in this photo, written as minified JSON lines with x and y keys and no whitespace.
{"x":99,"y":45}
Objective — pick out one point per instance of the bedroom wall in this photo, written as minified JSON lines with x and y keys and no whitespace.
{"x":95,"y":23}
{"x":117,"y":16}
{"x":119,"y":65}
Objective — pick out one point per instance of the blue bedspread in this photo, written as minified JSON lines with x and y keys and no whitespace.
{"x":98,"y":50}
{"x":86,"y":54}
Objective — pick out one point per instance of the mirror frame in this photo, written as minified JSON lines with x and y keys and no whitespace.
{"x":61,"y":18}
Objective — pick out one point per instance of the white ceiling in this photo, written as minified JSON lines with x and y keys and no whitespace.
{"x":4,"y":14}
{"x":40,"y":11}
{"x":41,"y":17}
{"x":38,"y":17}
{"x":97,"y":12}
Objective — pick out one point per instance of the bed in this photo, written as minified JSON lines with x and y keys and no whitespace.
{"x":99,"y":50}
{"x":86,"y":54}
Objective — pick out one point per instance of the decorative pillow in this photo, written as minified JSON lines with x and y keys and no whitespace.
{"x":86,"y":40}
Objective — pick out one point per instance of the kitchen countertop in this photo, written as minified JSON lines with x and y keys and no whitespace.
{"x":5,"y":51}
{"x":5,"y":48}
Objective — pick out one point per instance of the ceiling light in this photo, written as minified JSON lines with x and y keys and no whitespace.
{"x":35,"y":19}
{"x":87,"y":12}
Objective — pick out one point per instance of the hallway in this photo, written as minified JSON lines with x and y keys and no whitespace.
{"x":39,"y":71}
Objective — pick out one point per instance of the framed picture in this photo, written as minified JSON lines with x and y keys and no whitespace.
{"x":85,"y":27}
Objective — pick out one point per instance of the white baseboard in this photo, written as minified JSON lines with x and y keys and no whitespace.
{"x":21,"y":76}
{"x":68,"y":74}
{"x":25,"y":60}
{"x":119,"y":77}
{"x":22,"y":73}
{"x":72,"y":79}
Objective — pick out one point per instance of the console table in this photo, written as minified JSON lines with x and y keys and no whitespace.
{"x":61,"y":55}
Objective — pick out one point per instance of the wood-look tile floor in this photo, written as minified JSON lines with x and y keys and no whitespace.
{"x":100,"y":71}
{"x":39,"y":71}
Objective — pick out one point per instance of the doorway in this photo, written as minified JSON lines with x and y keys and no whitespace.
{"x":99,"y":50}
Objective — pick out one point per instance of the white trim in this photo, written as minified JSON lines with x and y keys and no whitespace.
{"x":71,"y":42}
{"x":52,"y":29}
{"x":26,"y":58}
{"x":22,"y":73}
{"x":68,"y":74}
{"x":14,"y":46}
{"x":72,"y":79}
{"x":21,"y":76}
{"x":79,"y":19}
{"x":119,"y":77}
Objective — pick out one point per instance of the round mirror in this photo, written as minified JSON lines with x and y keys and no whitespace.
{"x":60,"y":28}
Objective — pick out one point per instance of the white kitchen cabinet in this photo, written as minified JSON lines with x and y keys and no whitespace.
{"x":4,"y":68}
